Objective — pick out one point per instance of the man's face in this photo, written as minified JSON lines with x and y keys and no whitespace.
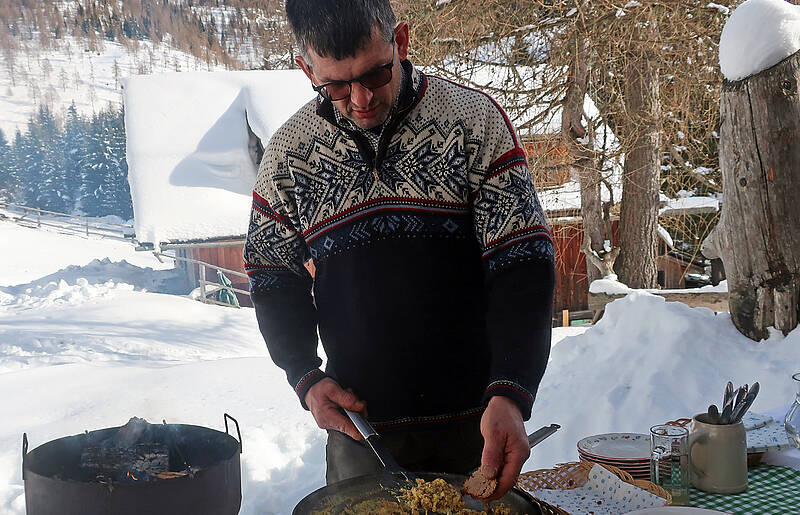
{"x":365,"y":107}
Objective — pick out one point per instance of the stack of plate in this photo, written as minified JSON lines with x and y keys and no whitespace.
{"x":627,"y":451}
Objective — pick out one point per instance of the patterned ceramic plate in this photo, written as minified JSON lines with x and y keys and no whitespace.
{"x":617,"y":446}
{"x":638,"y":467}
{"x":612,"y":461}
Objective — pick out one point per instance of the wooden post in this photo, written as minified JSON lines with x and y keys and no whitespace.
{"x":760,"y":161}
{"x":38,"y":218}
{"x":565,"y":318}
{"x":203,"y":284}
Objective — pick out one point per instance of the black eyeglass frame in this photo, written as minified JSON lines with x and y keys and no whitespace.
{"x":321,"y":89}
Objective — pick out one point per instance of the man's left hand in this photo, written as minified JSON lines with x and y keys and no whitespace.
{"x":505,"y":444}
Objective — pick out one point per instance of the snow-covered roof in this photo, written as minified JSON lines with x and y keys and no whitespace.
{"x":689,"y":206}
{"x":190,"y":168}
{"x":758,"y":35}
{"x":567,"y":196}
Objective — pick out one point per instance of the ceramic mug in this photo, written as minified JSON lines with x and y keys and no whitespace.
{"x":718,"y":456}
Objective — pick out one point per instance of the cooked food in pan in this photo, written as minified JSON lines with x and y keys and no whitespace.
{"x":426,"y":498}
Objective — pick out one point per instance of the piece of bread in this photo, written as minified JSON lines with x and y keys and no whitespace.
{"x":479,"y":486}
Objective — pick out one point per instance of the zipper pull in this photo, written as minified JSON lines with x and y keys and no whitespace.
{"x":375,"y":173}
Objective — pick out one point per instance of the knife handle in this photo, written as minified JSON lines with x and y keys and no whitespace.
{"x":364,"y":427}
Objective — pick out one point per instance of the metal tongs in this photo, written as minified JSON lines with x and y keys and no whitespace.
{"x":394,"y":477}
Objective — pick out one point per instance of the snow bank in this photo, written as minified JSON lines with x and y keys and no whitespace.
{"x":648,"y":361}
{"x":29,"y":254}
{"x":100,"y":271}
{"x":190,"y":161}
{"x":758,"y":35}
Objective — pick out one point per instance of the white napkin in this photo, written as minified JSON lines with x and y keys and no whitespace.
{"x":603,"y":494}
{"x":771,"y":437}
{"x":755,"y":420}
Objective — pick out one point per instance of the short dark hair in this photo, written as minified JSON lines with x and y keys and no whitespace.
{"x":338,"y":28}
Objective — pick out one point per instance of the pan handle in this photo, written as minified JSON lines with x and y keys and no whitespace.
{"x":225,"y":416}
{"x":537,"y":436}
{"x":24,"y":452}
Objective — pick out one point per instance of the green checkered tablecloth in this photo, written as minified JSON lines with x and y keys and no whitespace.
{"x":770,"y":491}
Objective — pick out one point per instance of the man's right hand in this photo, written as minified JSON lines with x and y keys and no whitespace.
{"x":325,"y":399}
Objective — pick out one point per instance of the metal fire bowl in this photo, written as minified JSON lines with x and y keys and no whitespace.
{"x":333,"y":499}
{"x":51,"y":486}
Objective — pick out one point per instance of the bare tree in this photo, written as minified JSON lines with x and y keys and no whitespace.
{"x":760,"y":158}
{"x":651,"y":68}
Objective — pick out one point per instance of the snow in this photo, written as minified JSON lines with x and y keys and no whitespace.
{"x":32,"y":254}
{"x":690,"y":205}
{"x":648,"y":361}
{"x":664,"y":235}
{"x":190,"y":170}
{"x":98,"y":341}
{"x":759,"y":34}
{"x":611,"y":286}
{"x":567,"y":196}
{"x":724,"y":10}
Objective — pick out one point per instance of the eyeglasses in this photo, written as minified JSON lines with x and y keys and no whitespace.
{"x":373,"y":79}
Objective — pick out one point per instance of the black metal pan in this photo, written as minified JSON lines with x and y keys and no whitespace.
{"x":334,"y":499}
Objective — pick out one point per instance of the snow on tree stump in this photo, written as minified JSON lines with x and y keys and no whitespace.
{"x":760,"y":162}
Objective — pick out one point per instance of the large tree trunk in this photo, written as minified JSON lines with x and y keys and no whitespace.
{"x":636,"y":265}
{"x":580,"y":143}
{"x":760,"y":161}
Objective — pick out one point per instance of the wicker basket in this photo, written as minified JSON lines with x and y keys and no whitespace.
{"x":567,"y":476}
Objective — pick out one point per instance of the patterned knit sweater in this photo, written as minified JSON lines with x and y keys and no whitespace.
{"x":433,"y":263}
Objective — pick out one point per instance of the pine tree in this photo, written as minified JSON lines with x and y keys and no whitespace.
{"x":92,"y":165}
{"x":54,"y":194}
{"x":29,"y":164}
{"x":71,"y":145}
{"x":106,"y":190}
{"x":7,"y":185}
{"x":13,"y":167}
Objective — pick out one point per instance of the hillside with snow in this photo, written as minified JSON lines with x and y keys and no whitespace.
{"x":54,"y":53}
{"x":72,"y":73}
{"x":89,"y":338}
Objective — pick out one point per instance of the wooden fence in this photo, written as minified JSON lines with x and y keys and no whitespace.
{"x":209,"y":288}
{"x":87,"y":226}
{"x":82,"y":225}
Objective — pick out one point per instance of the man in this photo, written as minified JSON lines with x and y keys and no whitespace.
{"x":409,"y":198}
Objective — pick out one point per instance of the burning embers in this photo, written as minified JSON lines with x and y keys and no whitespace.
{"x":138,"y":451}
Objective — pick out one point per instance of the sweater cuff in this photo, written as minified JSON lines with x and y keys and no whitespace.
{"x":514,"y":391}
{"x":305,"y":383}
